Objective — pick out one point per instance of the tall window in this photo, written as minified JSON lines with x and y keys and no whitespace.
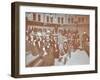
{"x":83,"y":19}
{"x":47,"y":18}
{"x":72,"y":20}
{"x":39,"y":17}
{"x":69,"y":20}
{"x":62,"y":20}
{"x":79,"y":19}
{"x":51,"y":19}
{"x":58,"y":19}
{"x":34,"y":16}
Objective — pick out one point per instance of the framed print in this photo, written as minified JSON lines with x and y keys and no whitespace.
{"x":53,"y":39}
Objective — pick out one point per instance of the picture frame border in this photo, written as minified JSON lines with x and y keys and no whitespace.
{"x":15,"y":38}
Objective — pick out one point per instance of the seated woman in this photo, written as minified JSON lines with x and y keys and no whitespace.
{"x":65,"y":47}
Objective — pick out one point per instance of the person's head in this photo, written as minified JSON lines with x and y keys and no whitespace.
{"x":65,"y":43}
{"x":84,"y":33}
{"x":51,"y":37}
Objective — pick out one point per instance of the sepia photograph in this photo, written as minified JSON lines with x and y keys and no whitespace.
{"x":53,"y":39}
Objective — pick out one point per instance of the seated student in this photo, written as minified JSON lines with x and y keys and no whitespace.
{"x":56,"y":50}
{"x":48,"y":58}
{"x":65,"y":47}
{"x":41,"y":48}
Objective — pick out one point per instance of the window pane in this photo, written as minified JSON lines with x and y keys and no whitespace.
{"x":34,"y":16}
{"x":58,"y":19}
{"x":39,"y":18}
{"x":47,"y":18}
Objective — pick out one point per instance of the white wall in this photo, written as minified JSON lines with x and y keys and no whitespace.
{"x":5,"y":40}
